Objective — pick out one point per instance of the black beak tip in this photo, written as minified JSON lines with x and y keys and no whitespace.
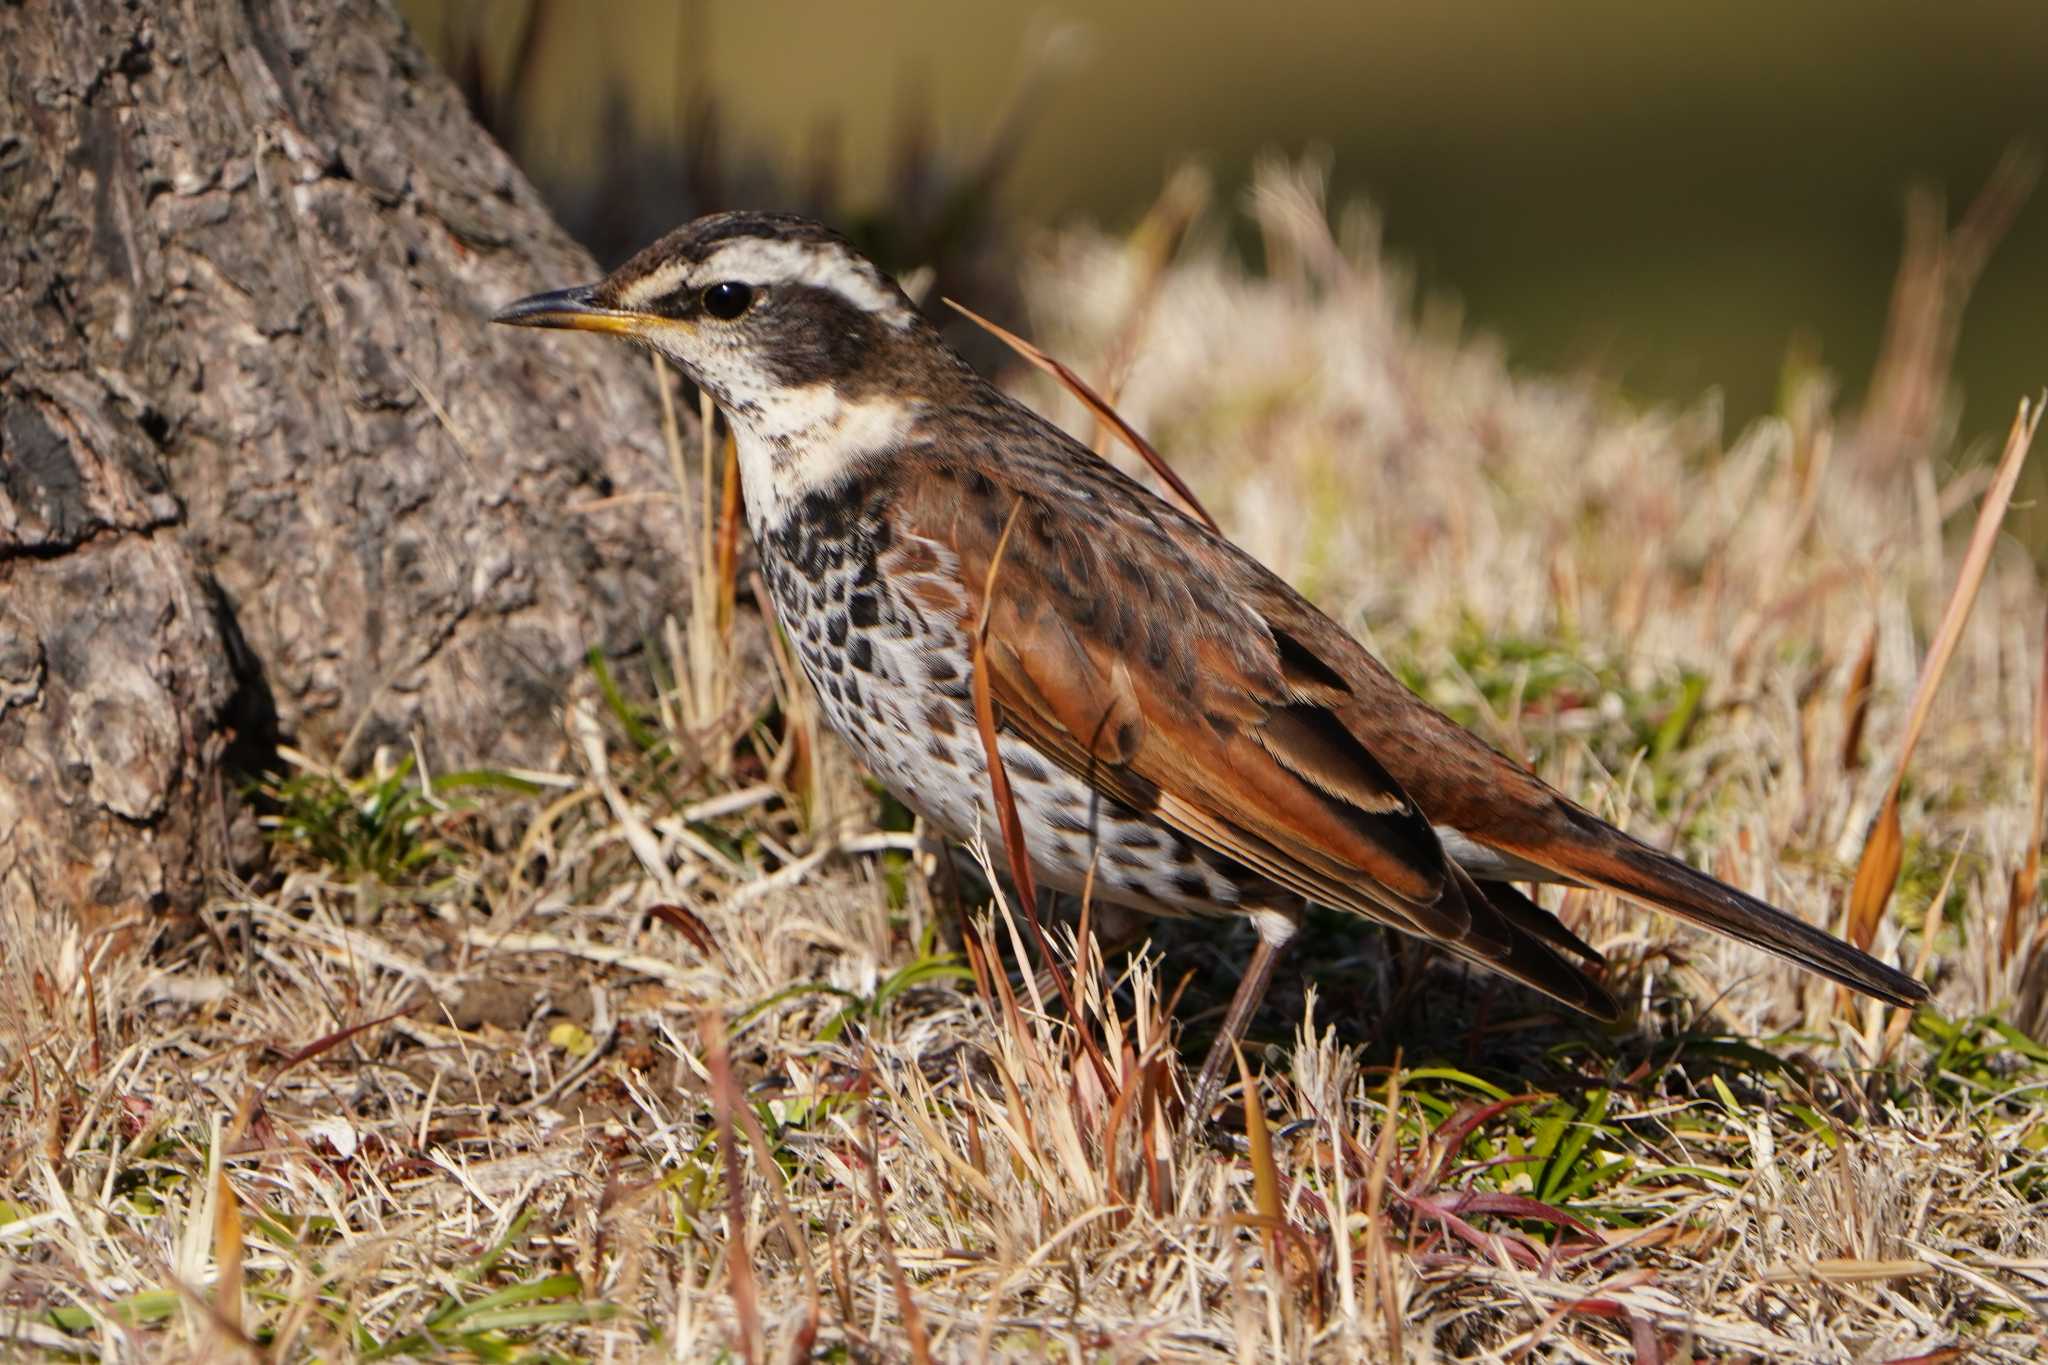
{"x":549,"y":309}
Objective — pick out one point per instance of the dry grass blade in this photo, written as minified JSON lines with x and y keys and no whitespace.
{"x":92,"y":1010}
{"x":1937,"y":273}
{"x":1856,"y":703}
{"x":899,"y":1284}
{"x":985,"y":720}
{"x":1006,"y":805}
{"x":785,"y":1216}
{"x":1095,"y":403}
{"x":335,"y":1039}
{"x":1877,"y":871}
{"x":1642,"y":1333}
{"x":1930,"y":930}
{"x":227,"y":1255}
{"x":1379,"y":1260}
{"x":1265,"y":1176}
{"x":1849,"y":1270}
{"x":729,"y":519}
{"x":1152,"y":246}
{"x":739,"y":1257}
{"x":2026,"y":878}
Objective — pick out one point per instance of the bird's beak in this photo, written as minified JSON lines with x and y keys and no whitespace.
{"x":576,"y":309}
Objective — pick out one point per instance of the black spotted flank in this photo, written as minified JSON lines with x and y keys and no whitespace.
{"x":1067,"y":820}
{"x":1025,"y":767}
{"x":827,"y":527}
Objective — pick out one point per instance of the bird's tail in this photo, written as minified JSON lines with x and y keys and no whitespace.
{"x":1597,"y":854}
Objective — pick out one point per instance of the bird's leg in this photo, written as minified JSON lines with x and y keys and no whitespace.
{"x":1276,"y":927}
{"x":945,"y":884}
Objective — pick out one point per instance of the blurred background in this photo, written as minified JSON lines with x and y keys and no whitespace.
{"x":1676,"y":198}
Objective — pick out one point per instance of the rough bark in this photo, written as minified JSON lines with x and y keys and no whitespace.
{"x":265,"y":468}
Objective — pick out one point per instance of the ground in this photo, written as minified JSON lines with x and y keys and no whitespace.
{"x":678,"y":1049}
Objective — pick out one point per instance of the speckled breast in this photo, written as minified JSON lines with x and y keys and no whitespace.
{"x":893,"y":682}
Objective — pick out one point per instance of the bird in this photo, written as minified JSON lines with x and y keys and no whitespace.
{"x":1183,"y":733}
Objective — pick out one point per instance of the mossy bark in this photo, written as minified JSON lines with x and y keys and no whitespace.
{"x":266,"y":469}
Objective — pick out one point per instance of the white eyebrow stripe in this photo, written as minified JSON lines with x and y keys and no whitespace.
{"x":656,"y":284}
{"x":755,"y":260}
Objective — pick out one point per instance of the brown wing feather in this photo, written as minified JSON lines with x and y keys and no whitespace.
{"x":1085,"y":738}
{"x":1196,"y":724}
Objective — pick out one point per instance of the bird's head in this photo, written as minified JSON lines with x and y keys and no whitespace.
{"x":816,"y":356}
{"x":761,"y":310}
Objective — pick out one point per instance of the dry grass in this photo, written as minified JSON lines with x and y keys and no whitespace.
{"x":686,"y":1070}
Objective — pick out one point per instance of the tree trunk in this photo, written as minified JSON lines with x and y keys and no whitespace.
{"x":266,"y":469}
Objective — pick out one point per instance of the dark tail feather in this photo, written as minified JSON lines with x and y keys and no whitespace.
{"x":1506,"y":940}
{"x":1532,"y":919}
{"x":1603,"y":856}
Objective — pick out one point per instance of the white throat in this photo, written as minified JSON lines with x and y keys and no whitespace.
{"x":797,"y":440}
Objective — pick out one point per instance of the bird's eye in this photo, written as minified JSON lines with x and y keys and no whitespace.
{"x":728,"y":299}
